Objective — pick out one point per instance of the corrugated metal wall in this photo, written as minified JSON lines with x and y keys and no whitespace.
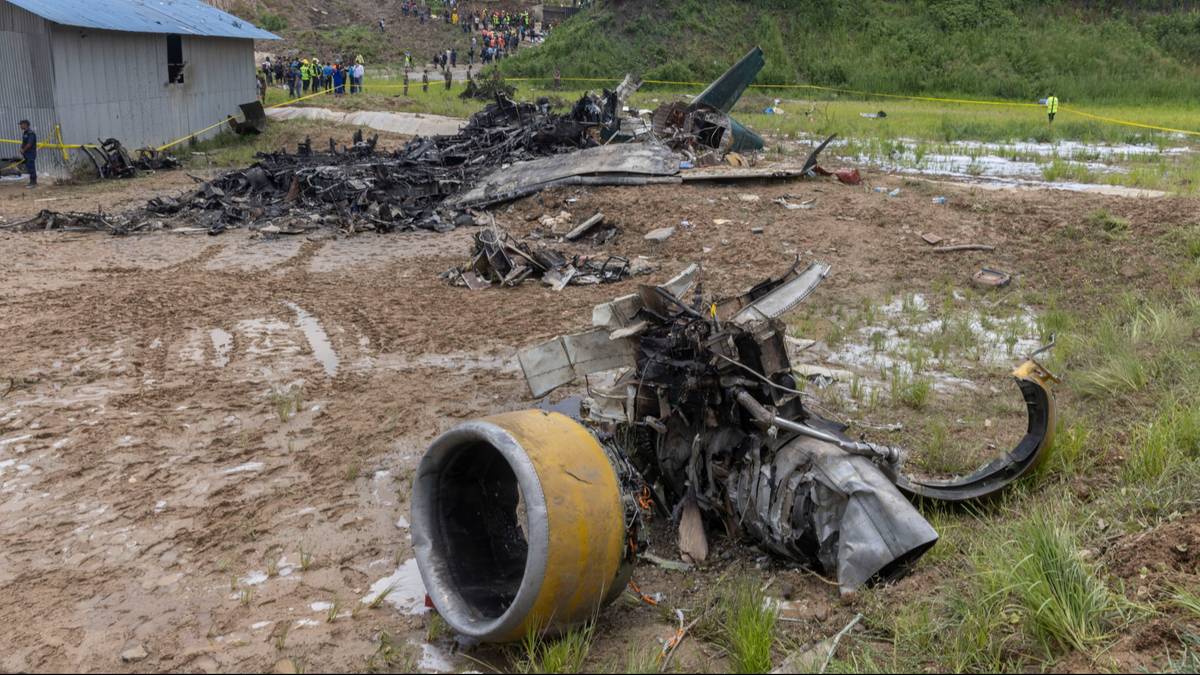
{"x":114,"y":85}
{"x":26,"y":82}
{"x":104,"y":84}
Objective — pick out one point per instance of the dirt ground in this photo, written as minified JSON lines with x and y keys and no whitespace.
{"x":206,"y":443}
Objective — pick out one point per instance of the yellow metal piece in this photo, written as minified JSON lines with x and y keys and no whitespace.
{"x":1035,"y":373}
{"x":586,"y":522}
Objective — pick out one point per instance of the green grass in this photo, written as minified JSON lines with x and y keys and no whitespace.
{"x":1128,"y":348}
{"x":565,"y":653}
{"x":1060,"y":596}
{"x":1169,"y":439}
{"x":909,"y":388}
{"x":748,"y":623}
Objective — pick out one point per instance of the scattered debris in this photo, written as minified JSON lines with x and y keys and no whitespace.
{"x":964,"y":247}
{"x":255,"y":121}
{"x":498,"y":259}
{"x":134,"y":654}
{"x":932,"y":239}
{"x":792,"y":206}
{"x":991,"y":278}
{"x":583,"y":227}
{"x":700,"y":415}
{"x":703,"y":130}
{"x":660,"y":235}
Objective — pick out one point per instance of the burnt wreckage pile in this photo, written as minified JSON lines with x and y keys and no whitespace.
{"x":506,"y":151}
{"x":694,"y":403}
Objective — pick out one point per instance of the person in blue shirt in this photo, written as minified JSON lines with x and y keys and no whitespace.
{"x":29,"y":152}
{"x":339,"y":80}
{"x":327,"y":74}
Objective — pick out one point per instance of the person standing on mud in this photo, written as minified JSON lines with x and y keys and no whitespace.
{"x":1051,"y":108}
{"x":29,"y":152}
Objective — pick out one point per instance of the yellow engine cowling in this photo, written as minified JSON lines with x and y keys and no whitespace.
{"x":518,"y":524}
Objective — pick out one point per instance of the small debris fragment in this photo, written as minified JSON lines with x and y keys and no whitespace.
{"x":134,"y":654}
{"x":660,"y":235}
{"x":991,"y":278}
{"x":932,"y":239}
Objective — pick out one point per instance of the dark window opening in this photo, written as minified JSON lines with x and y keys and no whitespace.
{"x":175,"y":62}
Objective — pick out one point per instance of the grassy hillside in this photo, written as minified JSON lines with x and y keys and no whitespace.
{"x":1099,"y":50}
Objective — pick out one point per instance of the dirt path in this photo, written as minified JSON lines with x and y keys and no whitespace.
{"x":206,"y":443}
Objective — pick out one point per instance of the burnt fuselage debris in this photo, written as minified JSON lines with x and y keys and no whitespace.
{"x":696,"y":401}
{"x":110,"y":159}
{"x":499,"y":259}
{"x":506,"y":151}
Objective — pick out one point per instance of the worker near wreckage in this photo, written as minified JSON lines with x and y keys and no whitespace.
{"x":29,"y":151}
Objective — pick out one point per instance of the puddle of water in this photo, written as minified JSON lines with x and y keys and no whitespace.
{"x":435,"y":660}
{"x":407,"y":592}
{"x":222,"y":344}
{"x":1015,"y":164}
{"x":875,"y":351}
{"x":14,"y":439}
{"x":569,"y":406}
{"x":318,"y":339}
{"x":458,"y":361}
{"x":253,"y":579}
{"x":244,"y":468}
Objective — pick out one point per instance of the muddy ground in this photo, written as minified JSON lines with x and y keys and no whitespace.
{"x":206,"y":443}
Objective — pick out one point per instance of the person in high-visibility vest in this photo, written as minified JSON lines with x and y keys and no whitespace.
{"x":305,"y":76}
{"x":1051,"y":107}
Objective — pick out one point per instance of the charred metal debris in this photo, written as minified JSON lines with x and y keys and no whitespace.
{"x":692,"y":413}
{"x":506,"y":151}
{"x":699,"y":395}
{"x":499,"y":259}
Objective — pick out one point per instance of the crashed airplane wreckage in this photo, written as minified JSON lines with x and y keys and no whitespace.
{"x":534,"y":519}
{"x":506,"y":151}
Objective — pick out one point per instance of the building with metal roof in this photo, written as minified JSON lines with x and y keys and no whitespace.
{"x":145,"y":72}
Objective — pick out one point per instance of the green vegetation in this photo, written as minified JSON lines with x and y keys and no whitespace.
{"x":563,"y":654}
{"x":272,"y":22}
{"x":748,"y":627}
{"x":1009,"y":49}
{"x":1062,"y":599}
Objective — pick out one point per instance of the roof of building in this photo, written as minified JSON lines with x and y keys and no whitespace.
{"x":185,"y":17}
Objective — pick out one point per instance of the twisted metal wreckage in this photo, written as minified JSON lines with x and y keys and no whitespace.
{"x":532,"y":518}
{"x":506,"y":151}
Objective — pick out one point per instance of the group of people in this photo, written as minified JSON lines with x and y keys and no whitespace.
{"x":310,"y":76}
